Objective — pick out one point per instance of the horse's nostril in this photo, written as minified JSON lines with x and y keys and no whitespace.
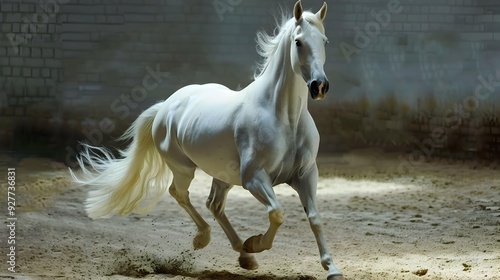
{"x":314,"y":87}
{"x":327,"y":86}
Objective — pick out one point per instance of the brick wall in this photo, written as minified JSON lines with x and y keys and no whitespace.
{"x":30,"y":60}
{"x":86,"y":57}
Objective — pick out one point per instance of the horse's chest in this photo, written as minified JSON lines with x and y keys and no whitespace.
{"x":273,"y":141}
{"x":280,"y":151}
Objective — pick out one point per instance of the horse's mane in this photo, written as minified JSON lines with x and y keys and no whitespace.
{"x":267,"y":44}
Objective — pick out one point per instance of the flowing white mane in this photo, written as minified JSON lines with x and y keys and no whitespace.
{"x":268,"y":44}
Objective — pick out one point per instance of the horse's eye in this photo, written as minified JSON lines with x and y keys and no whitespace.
{"x":298,"y":43}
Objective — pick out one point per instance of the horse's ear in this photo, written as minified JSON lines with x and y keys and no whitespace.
{"x":321,"y":14}
{"x":297,"y":11}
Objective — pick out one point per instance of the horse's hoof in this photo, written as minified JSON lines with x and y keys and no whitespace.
{"x":336,"y":277}
{"x":248,"y":262}
{"x":201,"y":239}
{"x":249,"y":244}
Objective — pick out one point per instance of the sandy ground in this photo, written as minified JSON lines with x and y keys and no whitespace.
{"x":442,"y":221}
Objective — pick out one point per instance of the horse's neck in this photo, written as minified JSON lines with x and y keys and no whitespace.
{"x":283,"y":90}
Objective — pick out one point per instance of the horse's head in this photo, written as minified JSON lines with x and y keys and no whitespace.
{"x":308,"y":49}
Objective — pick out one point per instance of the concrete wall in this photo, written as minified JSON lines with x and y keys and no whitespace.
{"x":83,"y":64}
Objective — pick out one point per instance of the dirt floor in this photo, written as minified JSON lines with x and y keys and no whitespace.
{"x":440,"y":221}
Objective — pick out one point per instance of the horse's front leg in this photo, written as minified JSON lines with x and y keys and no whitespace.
{"x":306,"y":188}
{"x":260,"y":186}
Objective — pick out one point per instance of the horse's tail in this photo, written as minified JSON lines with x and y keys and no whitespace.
{"x":133,"y":183}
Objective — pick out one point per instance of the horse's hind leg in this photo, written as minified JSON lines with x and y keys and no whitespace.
{"x":216,"y":202}
{"x":179,"y":190}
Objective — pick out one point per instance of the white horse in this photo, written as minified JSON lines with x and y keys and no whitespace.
{"x":258,"y":137}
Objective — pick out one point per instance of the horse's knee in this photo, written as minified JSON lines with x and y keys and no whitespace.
{"x":277,"y":216}
{"x":314,"y":221}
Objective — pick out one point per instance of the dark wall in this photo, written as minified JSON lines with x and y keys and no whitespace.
{"x":82,"y":64}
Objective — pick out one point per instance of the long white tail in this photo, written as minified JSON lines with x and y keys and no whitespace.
{"x":133,"y":183}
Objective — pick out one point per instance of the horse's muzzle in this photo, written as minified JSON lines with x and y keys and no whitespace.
{"x":318,"y":89}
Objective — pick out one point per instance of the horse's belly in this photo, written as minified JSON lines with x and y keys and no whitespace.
{"x":218,"y":158}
